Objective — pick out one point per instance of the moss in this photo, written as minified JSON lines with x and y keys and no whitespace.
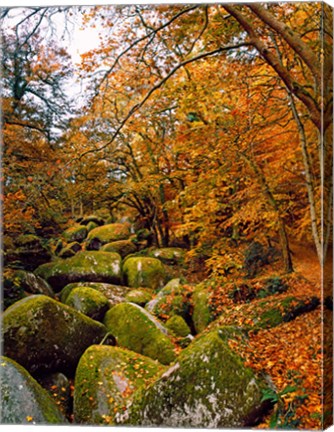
{"x":28,"y":240}
{"x":109,"y":233}
{"x":88,"y":301}
{"x":144,"y":272}
{"x":136,"y":330}
{"x":202,"y":315}
{"x":70,"y":250}
{"x":91,"y":225}
{"x":169,"y":255}
{"x":96,"y":219}
{"x":172,"y":299}
{"x":123,"y":247}
{"x":23,"y":400}
{"x":114,"y":293}
{"x":208,"y":387}
{"x":56,"y":334}
{"x":139,"y":296}
{"x":76,"y":233}
{"x":105,"y":380}
{"x":92,"y":266}
{"x":178,"y":326}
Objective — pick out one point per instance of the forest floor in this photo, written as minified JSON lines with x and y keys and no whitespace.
{"x":291,"y":353}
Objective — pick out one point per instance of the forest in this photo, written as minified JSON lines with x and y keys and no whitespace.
{"x":167,"y":212}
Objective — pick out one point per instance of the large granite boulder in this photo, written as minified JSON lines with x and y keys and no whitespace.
{"x":42,"y":334}
{"x":109,"y":233}
{"x":88,"y":301}
{"x":30,"y":252}
{"x":23,"y":400}
{"x":123,"y":247}
{"x":202,"y":312}
{"x":172,"y":299}
{"x":93,"y":266}
{"x":169,"y":255}
{"x":18,"y":284}
{"x":144,"y":272}
{"x":114,"y":293}
{"x":134,"y":328}
{"x":77,"y":233}
{"x":105,"y":379}
{"x":208,"y":387}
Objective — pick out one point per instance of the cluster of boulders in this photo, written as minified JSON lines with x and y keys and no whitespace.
{"x":99,"y":333}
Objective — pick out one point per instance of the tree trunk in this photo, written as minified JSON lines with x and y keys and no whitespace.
{"x":284,"y":241}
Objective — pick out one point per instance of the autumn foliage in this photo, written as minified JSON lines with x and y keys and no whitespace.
{"x":200,"y":123}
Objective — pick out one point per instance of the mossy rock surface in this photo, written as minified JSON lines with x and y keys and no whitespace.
{"x":169,"y":255}
{"x":105,"y":380}
{"x":202,"y":315}
{"x":172,"y":299}
{"x":70,"y":250}
{"x":208,"y":387}
{"x":114,"y":293}
{"x":44,"y":335}
{"x":144,"y":272}
{"x":110,"y":233}
{"x":77,"y":233}
{"x":135,"y":329}
{"x":92,"y":266}
{"x":28,"y":241}
{"x":88,"y":301}
{"x":29,"y":253}
{"x":123,"y":247}
{"x":18,"y":284}
{"x":139,"y":296}
{"x":23,"y":400}
{"x":97,"y":220}
{"x":91,"y":225}
{"x":178,"y":326}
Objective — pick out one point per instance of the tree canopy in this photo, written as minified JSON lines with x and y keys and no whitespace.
{"x":202,"y":122}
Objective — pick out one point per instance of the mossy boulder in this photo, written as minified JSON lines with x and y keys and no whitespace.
{"x":44,"y":335}
{"x":18,"y":284}
{"x":106,"y":378}
{"x":92,"y":266}
{"x":172,"y":299}
{"x":97,"y":220}
{"x":23,"y":400}
{"x":169,"y":255}
{"x":29,"y":241}
{"x":139,"y":296}
{"x":70,"y":250}
{"x":177,"y":325}
{"x":202,"y":314}
{"x":208,"y":387}
{"x":88,"y":301}
{"x":135,"y":329}
{"x":110,"y":233}
{"x":91,"y":225}
{"x":30,"y":252}
{"x":77,"y":233}
{"x":144,"y":272}
{"x":123,"y":247}
{"x":114,"y":293}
